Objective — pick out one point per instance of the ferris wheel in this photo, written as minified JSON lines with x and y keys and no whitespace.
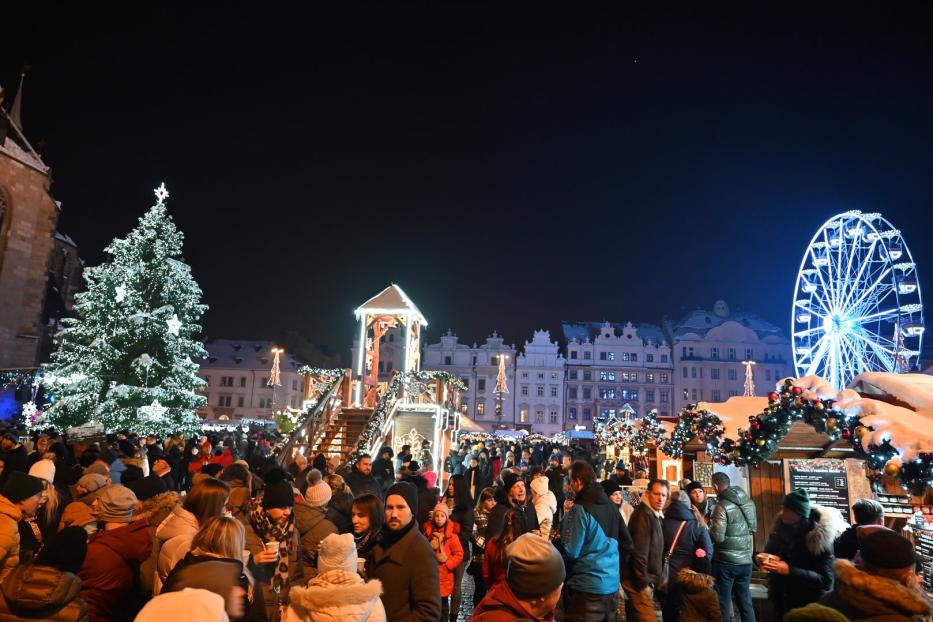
{"x":857,"y":303}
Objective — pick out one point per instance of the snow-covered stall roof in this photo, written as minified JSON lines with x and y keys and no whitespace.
{"x":735,"y":412}
{"x":392,"y":300}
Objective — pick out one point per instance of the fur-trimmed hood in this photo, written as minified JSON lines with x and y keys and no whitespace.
{"x":826,"y":524}
{"x":157,"y":508}
{"x":693,"y":582}
{"x":861,"y":595}
{"x":338,"y":595}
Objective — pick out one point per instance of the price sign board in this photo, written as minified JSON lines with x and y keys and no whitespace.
{"x":825,"y":479}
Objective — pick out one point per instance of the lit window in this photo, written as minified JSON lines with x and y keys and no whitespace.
{"x":480,"y":409}
{"x":607,"y":393}
{"x":572,"y":414}
{"x":649,"y":377}
{"x":665,"y":378}
{"x":523,"y":414}
{"x":607,"y":376}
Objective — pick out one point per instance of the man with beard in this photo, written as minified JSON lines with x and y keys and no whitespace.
{"x":405,"y":562}
{"x":360,"y":478}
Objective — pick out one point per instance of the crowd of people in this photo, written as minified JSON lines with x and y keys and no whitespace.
{"x":217,"y":528}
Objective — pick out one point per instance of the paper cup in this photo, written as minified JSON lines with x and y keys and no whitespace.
{"x":360,"y":564}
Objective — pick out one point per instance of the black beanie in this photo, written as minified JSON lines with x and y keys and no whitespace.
{"x":610,"y":486}
{"x":693,"y":486}
{"x":132,"y":474}
{"x":148,"y":487}
{"x":278,"y":491}
{"x":213,"y":469}
{"x":65,"y":550}
{"x":884,"y":548}
{"x":408,"y":492}
{"x":508,"y":480}
{"x":20,"y":486}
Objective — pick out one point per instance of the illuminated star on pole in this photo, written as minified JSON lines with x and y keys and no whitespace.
{"x":161,"y":193}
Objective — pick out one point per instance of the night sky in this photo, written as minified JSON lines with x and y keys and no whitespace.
{"x":508,"y":169}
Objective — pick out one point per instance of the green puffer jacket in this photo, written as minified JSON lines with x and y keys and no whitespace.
{"x":733,"y":524}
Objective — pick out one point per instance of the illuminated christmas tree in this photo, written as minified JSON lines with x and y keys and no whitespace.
{"x":126,"y":361}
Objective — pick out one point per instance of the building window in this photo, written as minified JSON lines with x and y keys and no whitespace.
{"x":730,"y":374}
{"x":239,"y":402}
{"x":223,"y":400}
{"x":609,"y":376}
{"x":665,"y":378}
{"x":539,"y":416}
{"x":649,"y":358}
{"x":381,"y":366}
{"x":665,"y":396}
{"x":611,"y":356}
{"x":447,"y":360}
{"x":494,"y":360}
{"x":630,"y":376}
{"x":480,"y":384}
{"x":701,"y":373}
{"x":388,"y":366}
{"x":649,"y":395}
{"x":573,"y":374}
{"x":464,"y":408}
{"x":587,"y":356}
{"x":630,"y":356}
{"x":663,"y":358}
{"x":573,"y":393}
{"x":686,"y":372}
{"x":523,"y":414}
{"x":540,"y":375}
{"x":649,"y":377}
{"x":714,"y":373}
{"x":693,"y":394}
{"x":553,"y":375}
{"x":733,"y":393}
{"x":587,"y":375}
{"x":539,"y":390}
{"x":572,"y":414}
{"x":525,"y":389}
{"x":731,"y":354}
{"x":573,"y":355}
{"x":767,"y":374}
{"x":716,"y":395}
{"x":524,"y":375}
{"x":587,"y":393}
{"x":607,"y":413}
{"x":242,"y":381}
{"x":693,"y":372}
{"x":749,"y":355}
{"x":553,"y":391}
{"x":714,"y":353}
{"x":630,"y":395}
{"x":480,"y":409}
{"x":553,"y":417}
{"x":606,"y":393}
{"x":587,"y":414}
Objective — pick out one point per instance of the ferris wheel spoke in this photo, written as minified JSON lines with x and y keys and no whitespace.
{"x":852,"y":252}
{"x":832,"y":293}
{"x":817,"y":357}
{"x":809,"y":331}
{"x":857,"y":361}
{"x":803,"y":304}
{"x":877,"y":283}
{"x":827,"y":289}
{"x":877,"y":316}
{"x":877,"y":348}
{"x":861,"y":270}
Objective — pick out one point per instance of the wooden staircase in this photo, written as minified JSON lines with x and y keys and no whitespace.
{"x":342,"y":432}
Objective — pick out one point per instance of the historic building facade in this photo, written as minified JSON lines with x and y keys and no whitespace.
{"x":28,"y":216}
{"x":709,"y":347}
{"x":478,"y":367}
{"x":237,"y":374}
{"x":615,"y":370}
{"x":539,"y":385}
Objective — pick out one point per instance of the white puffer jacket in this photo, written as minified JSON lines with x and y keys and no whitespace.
{"x":336,"y":596}
{"x":543,"y":499}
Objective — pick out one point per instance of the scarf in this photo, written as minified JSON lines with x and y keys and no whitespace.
{"x":269,"y":530}
{"x":366,"y":541}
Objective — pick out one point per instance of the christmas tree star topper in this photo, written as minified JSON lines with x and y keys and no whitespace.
{"x":161,"y":193}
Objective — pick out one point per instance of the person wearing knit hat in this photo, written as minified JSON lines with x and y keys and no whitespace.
{"x":533,"y":584}
{"x":98,"y":468}
{"x":881,"y":583}
{"x":21,"y":497}
{"x":338,"y":592}
{"x":405,"y":562}
{"x":511,"y":495}
{"x":318,"y":495}
{"x":43,"y":469}
{"x":798,"y":502}
{"x":798,"y":555}
{"x":116,"y":504}
{"x":148,"y":487}
{"x":443,"y":535}
{"x":65,"y":550}
{"x":702,"y":506}
{"x":188,"y":605}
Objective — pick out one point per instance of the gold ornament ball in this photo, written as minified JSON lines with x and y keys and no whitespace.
{"x":892,"y":468}
{"x":736,"y":453}
{"x":760,"y":442}
{"x":861,"y":431}
{"x":830,"y":423}
{"x":818,"y":406}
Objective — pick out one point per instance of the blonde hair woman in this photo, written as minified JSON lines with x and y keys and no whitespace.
{"x":36,"y":529}
{"x":216,"y":563}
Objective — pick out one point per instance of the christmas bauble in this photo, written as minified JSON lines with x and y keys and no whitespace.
{"x":860,"y":432}
{"x":892,"y":468}
{"x":760,"y":442}
{"x":830,"y":424}
{"x":796,"y":390}
{"x":773,"y":396}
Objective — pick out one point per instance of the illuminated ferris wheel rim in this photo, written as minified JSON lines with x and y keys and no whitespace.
{"x":857,"y":301}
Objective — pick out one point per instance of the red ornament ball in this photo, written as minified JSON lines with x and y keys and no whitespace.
{"x":773,"y":396}
{"x":796,"y":390}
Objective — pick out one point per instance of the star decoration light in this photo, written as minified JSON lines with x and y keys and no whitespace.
{"x":153,"y":412}
{"x":121,"y":293}
{"x":161,"y":193}
{"x":174,"y":325}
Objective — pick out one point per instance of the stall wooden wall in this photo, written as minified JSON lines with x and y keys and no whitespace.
{"x":767,"y":491}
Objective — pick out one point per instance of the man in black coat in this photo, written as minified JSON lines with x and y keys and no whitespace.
{"x":405,"y":563}
{"x":427,"y":497}
{"x":360,"y":478}
{"x":383,"y":470}
{"x":476,"y":479}
{"x":643,"y":573}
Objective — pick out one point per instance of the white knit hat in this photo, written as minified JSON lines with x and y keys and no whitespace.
{"x":337,"y":552}
{"x":188,"y":605}
{"x":318,"y":495}
{"x":43,"y":469}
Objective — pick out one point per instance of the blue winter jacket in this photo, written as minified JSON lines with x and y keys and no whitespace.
{"x":595,"y":541}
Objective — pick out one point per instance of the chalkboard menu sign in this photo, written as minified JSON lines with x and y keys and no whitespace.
{"x":825,"y":479}
{"x":923,"y":543}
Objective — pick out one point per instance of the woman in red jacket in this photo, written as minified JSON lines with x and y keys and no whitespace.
{"x":443,"y":534}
